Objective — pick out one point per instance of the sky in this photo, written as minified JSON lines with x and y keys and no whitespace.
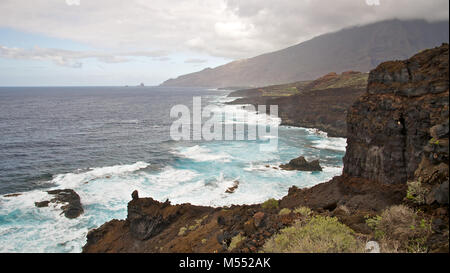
{"x":117,"y":42}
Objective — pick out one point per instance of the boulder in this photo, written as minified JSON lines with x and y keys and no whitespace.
{"x":258,"y":219}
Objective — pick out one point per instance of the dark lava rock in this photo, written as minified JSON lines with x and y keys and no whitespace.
{"x":135,"y":195}
{"x":300,"y":164}
{"x":406,"y":104}
{"x":41,"y":204}
{"x":439,"y":194}
{"x":73,"y":209}
{"x":12,"y":195}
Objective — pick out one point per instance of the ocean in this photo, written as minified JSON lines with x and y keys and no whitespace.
{"x":105,"y":142}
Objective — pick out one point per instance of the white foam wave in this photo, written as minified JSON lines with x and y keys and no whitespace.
{"x":72,"y":180}
{"x":202,"y":154}
{"x":331,"y":143}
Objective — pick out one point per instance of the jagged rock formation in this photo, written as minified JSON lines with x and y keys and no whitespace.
{"x":71,"y":199}
{"x":391,"y":126}
{"x":360,"y":48}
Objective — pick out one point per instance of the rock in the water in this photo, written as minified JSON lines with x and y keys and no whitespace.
{"x":300,"y":164}
{"x":12,"y":195}
{"x":72,"y":209}
{"x":233,"y":188}
{"x":41,"y":204}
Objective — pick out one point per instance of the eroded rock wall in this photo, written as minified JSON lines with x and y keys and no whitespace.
{"x":403,"y":114}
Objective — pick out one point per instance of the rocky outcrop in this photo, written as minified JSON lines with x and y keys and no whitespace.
{"x":71,"y":199}
{"x":390,"y":128}
{"x":300,"y":164}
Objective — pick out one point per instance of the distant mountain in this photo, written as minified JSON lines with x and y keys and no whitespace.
{"x":359,"y":48}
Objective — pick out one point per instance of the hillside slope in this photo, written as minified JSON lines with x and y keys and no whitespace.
{"x":359,"y":48}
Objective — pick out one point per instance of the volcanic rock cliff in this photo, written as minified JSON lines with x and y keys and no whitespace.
{"x":397,"y":153}
{"x":401,"y":120}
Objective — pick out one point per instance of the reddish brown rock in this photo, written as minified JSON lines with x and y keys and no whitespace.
{"x":258,"y":219}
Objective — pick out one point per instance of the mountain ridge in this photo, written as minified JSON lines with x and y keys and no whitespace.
{"x":359,"y":48}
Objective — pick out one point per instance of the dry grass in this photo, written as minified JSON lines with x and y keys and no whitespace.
{"x":284,"y":211}
{"x":400,"y":229}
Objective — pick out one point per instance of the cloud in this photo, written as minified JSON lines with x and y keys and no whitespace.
{"x":74,"y":59}
{"x":73,"y":2}
{"x":195,"y":61}
{"x":231,"y":29}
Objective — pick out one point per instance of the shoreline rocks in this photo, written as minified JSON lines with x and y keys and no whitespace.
{"x":72,"y":208}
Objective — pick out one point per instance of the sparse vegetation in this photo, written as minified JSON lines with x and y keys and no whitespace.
{"x":197,"y":223}
{"x":182,"y":231}
{"x":400,"y":229}
{"x":284,"y":211}
{"x":318,"y":235}
{"x":434,"y":141}
{"x":235,"y":241}
{"x":304,"y":211}
{"x":270,"y":204}
{"x":416,"y":192}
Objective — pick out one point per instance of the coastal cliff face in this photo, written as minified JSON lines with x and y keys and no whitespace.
{"x":402,"y":118}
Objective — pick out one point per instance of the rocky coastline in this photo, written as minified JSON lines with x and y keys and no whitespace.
{"x":395,"y":177}
{"x":321,"y":104}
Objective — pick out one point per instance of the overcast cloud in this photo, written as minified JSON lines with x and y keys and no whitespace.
{"x":231,"y":29}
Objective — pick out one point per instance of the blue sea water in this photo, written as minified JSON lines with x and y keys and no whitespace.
{"x":105,"y":142}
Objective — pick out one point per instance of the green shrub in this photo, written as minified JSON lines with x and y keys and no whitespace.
{"x":400,"y":228}
{"x":318,"y":235}
{"x":416,"y":192}
{"x":284,"y":211}
{"x":235,"y":241}
{"x":270,"y":204}
{"x":304,"y":211}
